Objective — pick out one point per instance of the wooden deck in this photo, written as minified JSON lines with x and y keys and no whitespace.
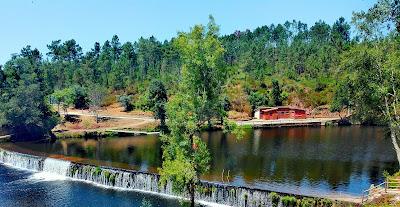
{"x":260,"y":123}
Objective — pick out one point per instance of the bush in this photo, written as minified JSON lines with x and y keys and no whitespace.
{"x":307,"y":202}
{"x":72,"y":118}
{"x":320,"y":87}
{"x":80,"y":97}
{"x":126,"y":102}
{"x":109,"y":100}
{"x":289,"y":201}
{"x":238,"y":100}
{"x":97,"y":171}
{"x":275,"y":198}
{"x":325,"y":202}
{"x":142,"y":102}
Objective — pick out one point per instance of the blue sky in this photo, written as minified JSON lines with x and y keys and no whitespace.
{"x":38,"y":22}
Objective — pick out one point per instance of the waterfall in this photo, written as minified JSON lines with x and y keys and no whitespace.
{"x":133,"y":180}
{"x":56,"y":167}
{"x":21,"y":161}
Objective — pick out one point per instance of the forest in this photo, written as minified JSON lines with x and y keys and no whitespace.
{"x":301,"y":58}
{"x":279,"y":64}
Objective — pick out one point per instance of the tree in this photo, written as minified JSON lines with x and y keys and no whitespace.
{"x":276,"y":93}
{"x":105,"y":63}
{"x":157,"y":100}
{"x":63,"y":98}
{"x":342,"y":98}
{"x":26,"y":113}
{"x":340,"y":35}
{"x":185,"y":155}
{"x":382,"y":16}
{"x":2,"y":78}
{"x":257,"y":99}
{"x":24,"y":108}
{"x":373,"y":69}
{"x":96,"y":96}
{"x":79,"y":97}
{"x":115,"y":48}
{"x":203,"y":70}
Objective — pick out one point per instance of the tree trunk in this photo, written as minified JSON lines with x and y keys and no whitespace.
{"x":393,"y":136}
{"x":191,"y":192}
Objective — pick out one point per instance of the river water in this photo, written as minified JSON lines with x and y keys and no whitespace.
{"x":303,"y":160}
{"x":24,"y":188}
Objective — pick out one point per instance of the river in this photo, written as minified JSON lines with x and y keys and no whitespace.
{"x":319,"y":161}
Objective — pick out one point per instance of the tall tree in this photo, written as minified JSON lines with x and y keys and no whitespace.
{"x":96,"y":95}
{"x":276,"y":93}
{"x":373,"y":69}
{"x":203,"y":70}
{"x":185,"y":155}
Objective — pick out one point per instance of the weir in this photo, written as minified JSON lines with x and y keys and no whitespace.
{"x":55,"y":166}
{"x":142,"y":181}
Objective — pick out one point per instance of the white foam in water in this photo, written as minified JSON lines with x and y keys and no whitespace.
{"x":15,"y":160}
{"x":53,"y":169}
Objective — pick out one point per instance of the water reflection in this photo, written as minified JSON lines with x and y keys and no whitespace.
{"x":303,"y":160}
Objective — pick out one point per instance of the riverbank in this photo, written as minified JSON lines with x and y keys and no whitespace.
{"x":117,"y":123}
{"x":208,"y":193}
{"x":260,"y":123}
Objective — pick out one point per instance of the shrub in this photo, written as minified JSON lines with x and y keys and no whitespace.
{"x":238,"y":100}
{"x":275,"y":198}
{"x":80,"y":97}
{"x":72,"y":118}
{"x":97,"y":171}
{"x":325,"y":202}
{"x":307,"y":202}
{"x":107,"y":175}
{"x":320,"y":87}
{"x":141,"y":102}
{"x":289,"y":201}
{"x":109,"y":100}
{"x":112,"y":179}
{"x":126,"y":102}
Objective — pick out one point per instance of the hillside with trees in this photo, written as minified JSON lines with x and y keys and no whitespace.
{"x":291,"y":63}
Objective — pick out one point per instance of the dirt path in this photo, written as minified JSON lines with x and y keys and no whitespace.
{"x":132,"y":117}
{"x":112,"y":122}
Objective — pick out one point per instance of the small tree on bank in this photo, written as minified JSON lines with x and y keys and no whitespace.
{"x":63,"y":98}
{"x":157,"y":101}
{"x":185,"y":155}
{"x":96,"y":99}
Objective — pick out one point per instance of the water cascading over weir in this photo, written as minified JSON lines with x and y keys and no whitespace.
{"x":140,"y":181}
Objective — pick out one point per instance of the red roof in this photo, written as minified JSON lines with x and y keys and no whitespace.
{"x":266,"y":109}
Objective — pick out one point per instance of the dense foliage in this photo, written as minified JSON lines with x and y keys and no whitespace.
{"x":302,"y":60}
{"x":24,"y":109}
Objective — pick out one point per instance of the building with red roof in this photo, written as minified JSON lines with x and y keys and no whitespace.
{"x":280,"y":112}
